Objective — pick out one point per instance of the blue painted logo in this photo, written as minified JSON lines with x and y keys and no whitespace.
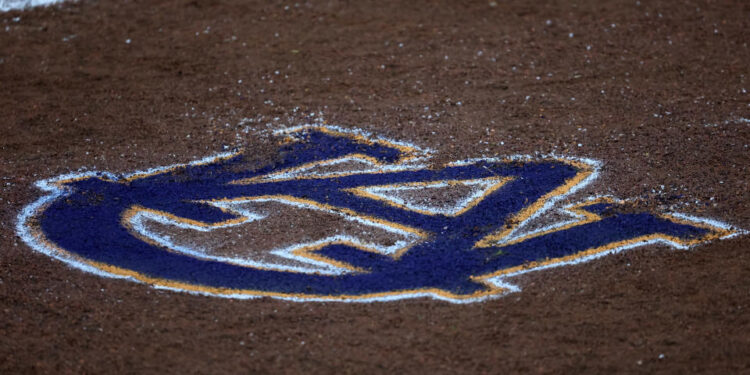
{"x":456,"y":232}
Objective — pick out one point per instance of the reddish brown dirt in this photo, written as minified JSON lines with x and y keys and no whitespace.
{"x":660,"y":93}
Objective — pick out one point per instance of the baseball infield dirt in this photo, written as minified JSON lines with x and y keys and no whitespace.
{"x":656,"y":91}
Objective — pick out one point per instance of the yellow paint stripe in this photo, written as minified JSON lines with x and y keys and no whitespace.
{"x":527,"y":212}
{"x":307,"y":252}
{"x":411,"y":152}
{"x":593,"y":251}
{"x":588,"y":217}
{"x":493,"y":290}
{"x":323,"y":206}
{"x":118,"y":271}
{"x":322,"y":163}
{"x":362,"y":191}
{"x":130,"y":212}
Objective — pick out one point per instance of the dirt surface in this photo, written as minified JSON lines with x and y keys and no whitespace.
{"x":655,"y":90}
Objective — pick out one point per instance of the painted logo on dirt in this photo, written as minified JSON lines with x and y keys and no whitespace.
{"x":341,"y":215}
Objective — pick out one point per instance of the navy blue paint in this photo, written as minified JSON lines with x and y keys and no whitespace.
{"x":88,"y":222}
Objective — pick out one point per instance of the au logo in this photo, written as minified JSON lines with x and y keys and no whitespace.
{"x":396,"y":228}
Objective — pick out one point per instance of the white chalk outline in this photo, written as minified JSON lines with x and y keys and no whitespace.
{"x":137,"y":224}
{"x":6,"y":6}
{"x":381,"y":191}
{"x":306,"y":172}
{"x":56,"y":191}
